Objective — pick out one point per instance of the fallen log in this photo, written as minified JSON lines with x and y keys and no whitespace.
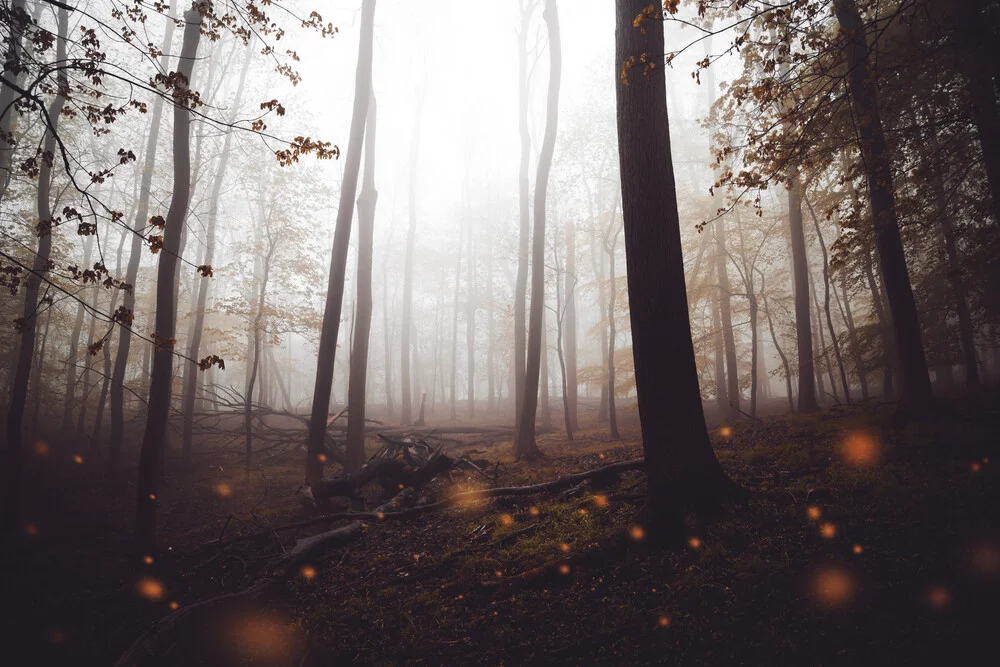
{"x":154,"y":642}
{"x":598,"y":477}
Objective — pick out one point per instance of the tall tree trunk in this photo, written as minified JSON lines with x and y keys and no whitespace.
{"x":191,"y":372}
{"x":95,"y":437}
{"x":470,"y":323}
{"x":36,"y":371}
{"x":612,"y":329}
{"x":597,"y":264}
{"x":411,"y":235}
{"x":826,"y":306}
{"x":256,"y":334}
{"x":454,"y":326}
{"x":719,"y":350}
{"x":784,"y":359}
{"x":726,"y":313}
{"x":800,"y":273}
{"x":29,"y":318}
{"x":135,"y":256}
{"x":387,"y":338}
{"x":338,"y":261}
{"x":166,"y":277}
{"x":85,"y":388}
{"x":13,"y":56}
{"x":916,"y":383}
{"x":972,"y":45}
{"x":491,"y":405}
{"x":680,"y":465}
{"x":524,"y":442}
{"x":362,"y":302}
{"x":524,"y":226}
{"x":74,"y":343}
{"x":569,"y":326}
{"x":545,"y":420}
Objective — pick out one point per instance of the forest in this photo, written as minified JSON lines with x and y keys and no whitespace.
{"x":527,"y":332}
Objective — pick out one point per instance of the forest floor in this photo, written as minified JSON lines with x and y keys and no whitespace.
{"x":865,"y":543}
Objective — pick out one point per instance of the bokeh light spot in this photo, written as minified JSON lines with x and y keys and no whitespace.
{"x":663,"y":622}
{"x":814,"y":512}
{"x":308,"y":572}
{"x":828,"y":530}
{"x":938,"y":596}
{"x":41,"y":448}
{"x":694,"y":543}
{"x":601,"y":500}
{"x":833,"y":586}
{"x":857,"y":548}
{"x":223,"y":490}
{"x":860,"y":450}
{"x":726,"y":432}
{"x":77,"y":459}
{"x":506,"y":520}
{"x":637,"y":533}
{"x":151,"y":589}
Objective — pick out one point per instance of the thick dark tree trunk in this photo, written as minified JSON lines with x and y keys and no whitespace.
{"x":524,"y":442}
{"x":132,"y":272}
{"x":916,"y":383}
{"x":29,"y":318}
{"x":166,"y":277}
{"x":680,"y":465}
{"x":338,"y":261}
{"x":800,"y":278}
{"x":357,"y":390}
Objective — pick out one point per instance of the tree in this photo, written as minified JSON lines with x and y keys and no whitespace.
{"x":411,"y":236}
{"x":338,"y":260}
{"x":150,"y":455}
{"x":29,"y":320}
{"x":362,"y":302}
{"x":871,"y":138}
{"x":681,"y":468}
{"x":524,"y":442}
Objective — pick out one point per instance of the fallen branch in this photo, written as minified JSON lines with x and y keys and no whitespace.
{"x":154,"y":642}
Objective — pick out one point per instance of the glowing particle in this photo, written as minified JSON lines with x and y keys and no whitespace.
{"x":637,"y":533}
{"x":506,"y":520}
{"x":223,"y":490}
{"x":495,"y":613}
{"x":986,"y":559}
{"x":857,"y":549}
{"x":860,"y":450}
{"x":380,"y":516}
{"x":42,"y":448}
{"x":77,"y":458}
{"x":726,"y":432}
{"x":321,"y":458}
{"x":148,"y":560}
{"x":833,"y":586}
{"x":534,"y":511}
{"x":564,"y":547}
{"x":581,"y":512}
{"x":663,"y":622}
{"x":401,"y":487}
{"x":694,"y":543}
{"x":601,"y":500}
{"x":151,"y":589}
{"x":460,"y":596}
{"x":985,"y":460}
{"x":601,"y":456}
{"x":828,"y":530}
{"x":31,"y":530}
{"x":152,"y":496}
{"x":564,"y":569}
{"x":814,"y":512}
{"x":976,"y":467}
{"x":308,"y":572}
{"x":938,"y":596}
{"x":499,"y":573}
{"x":173,"y":606}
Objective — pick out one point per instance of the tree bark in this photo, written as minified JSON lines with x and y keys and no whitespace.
{"x":680,"y":465}
{"x":74,"y":343}
{"x":784,"y":359}
{"x":524,"y":225}
{"x":166,"y":277}
{"x":411,"y":235}
{"x":569,"y":326}
{"x":726,"y":314}
{"x":132,"y":272}
{"x":338,"y":260}
{"x":612,"y":329}
{"x":357,"y":390}
{"x":29,"y":318}
{"x":916,"y":384}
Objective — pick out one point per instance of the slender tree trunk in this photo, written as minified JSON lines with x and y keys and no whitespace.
{"x":387,"y":339}
{"x":362,"y":303}
{"x":544,"y":407}
{"x":13,"y":55}
{"x":411,"y":235}
{"x":29,"y":319}
{"x":470,"y":323}
{"x":88,"y":362}
{"x":612,"y":330}
{"x":719,"y":349}
{"x":454,"y":326}
{"x":256,"y":332}
{"x":826,"y":306}
{"x":524,"y":442}
{"x":338,"y":261}
{"x":132,"y":272}
{"x":681,"y":468}
{"x":36,"y":371}
{"x":569,"y":325}
{"x":852,"y":336}
{"x":166,"y":277}
{"x":784,"y":359}
{"x":597,"y":263}
{"x":524,"y":227}
{"x":74,"y":343}
{"x":725,"y":312}
{"x":916,"y":384}
{"x":491,"y":405}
